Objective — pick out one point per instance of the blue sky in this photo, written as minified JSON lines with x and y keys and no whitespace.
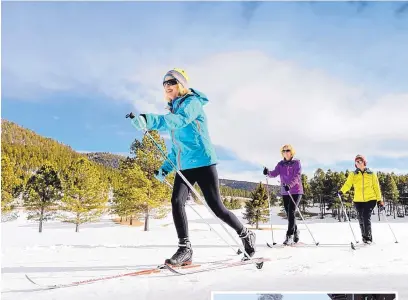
{"x":330,"y":78}
{"x":285,"y":297}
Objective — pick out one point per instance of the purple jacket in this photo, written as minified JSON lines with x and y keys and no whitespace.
{"x":290,"y":173}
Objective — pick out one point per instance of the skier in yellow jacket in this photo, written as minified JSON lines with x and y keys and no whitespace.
{"x":367,"y":193}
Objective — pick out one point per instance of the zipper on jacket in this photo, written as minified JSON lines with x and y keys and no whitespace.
{"x":287,"y":173}
{"x":362,"y":173}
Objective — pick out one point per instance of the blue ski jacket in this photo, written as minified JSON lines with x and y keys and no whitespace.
{"x":187,"y":124}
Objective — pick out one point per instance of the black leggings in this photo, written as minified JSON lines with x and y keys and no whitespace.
{"x":364,"y":211}
{"x":290,"y":209}
{"x":207,"y":180}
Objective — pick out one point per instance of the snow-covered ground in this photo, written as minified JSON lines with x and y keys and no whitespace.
{"x":59,"y":255}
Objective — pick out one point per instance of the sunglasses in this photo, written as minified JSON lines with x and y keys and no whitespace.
{"x":286,"y":151}
{"x":359,"y":161}
{"x":170,"y":82}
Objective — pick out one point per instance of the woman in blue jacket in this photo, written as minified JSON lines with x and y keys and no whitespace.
{"x":194,"y":155}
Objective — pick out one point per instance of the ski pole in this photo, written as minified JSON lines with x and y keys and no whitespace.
{"x":297,"y":209}
{"x":348,"y":219}
{"x":198,"y":196}
{"x":386,"y":220}
{"x":270,"y":210}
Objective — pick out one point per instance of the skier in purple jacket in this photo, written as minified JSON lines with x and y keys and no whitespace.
{"x":290,"y":172}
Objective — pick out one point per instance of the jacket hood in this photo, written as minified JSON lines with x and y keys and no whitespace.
{"x":201,"y":96}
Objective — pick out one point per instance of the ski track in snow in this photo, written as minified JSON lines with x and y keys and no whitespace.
{"x":59,"y":255}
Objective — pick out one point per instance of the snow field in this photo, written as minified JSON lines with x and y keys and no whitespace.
{"x":60,"y":255}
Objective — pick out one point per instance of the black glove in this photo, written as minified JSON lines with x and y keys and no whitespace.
{"x":265,"y":171}
{"x":131,"y":115}
{"x":380,"y":205}
{"x":287,"y":188}
{"x":340,"y":193}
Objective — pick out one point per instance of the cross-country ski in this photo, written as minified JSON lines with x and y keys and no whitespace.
{"x":178,"y":270}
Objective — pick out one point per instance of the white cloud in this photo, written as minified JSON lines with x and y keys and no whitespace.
{"x":258,"y":103}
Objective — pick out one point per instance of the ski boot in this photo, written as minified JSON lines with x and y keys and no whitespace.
{"x":289,"y":240}
{"x":183,"y":255}
{"x":369,"y":239}
{"x":248,"y":240}
{"x":296,"y":236}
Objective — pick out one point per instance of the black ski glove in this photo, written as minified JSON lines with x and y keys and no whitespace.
{"x":265,"y":171}
{"x":380,"y":205}
{"x":130,"y":115}
{"x":287,"y":187}
{"x":340,"y":193}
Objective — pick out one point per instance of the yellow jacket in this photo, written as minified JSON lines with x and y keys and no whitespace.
{"x":366,"y":185}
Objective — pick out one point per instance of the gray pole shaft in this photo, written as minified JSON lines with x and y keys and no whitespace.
{"x":348,"y":219}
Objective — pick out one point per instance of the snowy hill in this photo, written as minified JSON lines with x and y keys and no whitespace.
{"x":59,"y":255}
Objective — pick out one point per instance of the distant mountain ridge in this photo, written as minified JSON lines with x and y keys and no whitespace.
{"x":246,"y":185}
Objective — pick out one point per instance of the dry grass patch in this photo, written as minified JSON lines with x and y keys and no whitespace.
{"x":135,"y":222}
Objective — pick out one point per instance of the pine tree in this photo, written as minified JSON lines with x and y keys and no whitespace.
{"x":85,"y":194}
{"x":390,"y":190}
{"x":317,"y":183}
{"x":329,"y":185}
{"x":307,"y":193}
{"x":382,"y":180}
{"x":149,"y":158}
{"x":334,"y":182}
{"x":226,"y":203}
{"x":9,"y":183}
{"x":257,"y":209}
{"x":235,"y":203}
{"x":402,"y":185}
{"x":273,"y":199}
{"x":131,"y":193}
{"x":42,"y":193}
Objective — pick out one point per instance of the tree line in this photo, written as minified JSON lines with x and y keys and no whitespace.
{"x":229,"y":191}
{"x":323,"y":186}
{"x":53,"y":181}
